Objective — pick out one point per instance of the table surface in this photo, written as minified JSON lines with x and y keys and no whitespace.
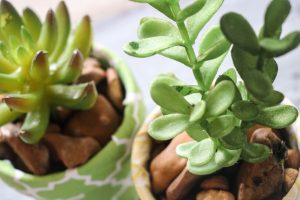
{"x":117,"y":30}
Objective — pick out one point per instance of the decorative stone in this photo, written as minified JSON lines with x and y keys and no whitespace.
{"x":215,"y":182}
{"x":215,"y":195}
{"x":92,"y":71}
{"x":114,"y":88}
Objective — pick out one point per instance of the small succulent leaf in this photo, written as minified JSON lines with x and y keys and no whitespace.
{"x":196,"y":22}
{"x":177,"y":53}
{"x":11,"y":22}
{"x":39,"y":70}
{"x":70,"y":72}
{"x":167,"y":97}
{"x":276,"y":47}
{"x":227,"y":157}
{"x":168,"y":126}
{"x":23,"y":56}
{"x":242,"y":90}
{"x":191,"y":9}
{"x":10,"y":83}
{"x":213,"y":45}
{"x":206,"y":169}
{"x":280,"y":116}
{"x":7,"y":115}
{"x":273,"y":99}
{"x":234,"y":140}
{"x":184,"y":150}
{"x":35,"y":125}
{"x":197,"y":132}
{"x":48,"y":36}
{"x":271,"y":69}
{"x":255,"y":153}
{"x":63,"y":30}
{"x":245,"y":110}
{"x":194,"y":98}
{"x":151,"y":46}
{"x":203,"y":152}
{"x":221,"y":126}
{"x":258,"y":84}
{"x":209,"y":69}
{"x":231,"y":73}
{"x":238,"y":31}
{"x":27,"y":39}
{"x":276,"y":14}
{"x":169,"y":79}
{"x":32,"y":23}
{"x":198,"y":111}
{"x":78,"y":97}
{"x":185,"y":90}
{"x":22,"y":103}
{"x":220,"y":98}
{"x":154,"y":27}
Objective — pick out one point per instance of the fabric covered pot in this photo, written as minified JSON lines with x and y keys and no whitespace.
{"x":107,"y":175}
{"x":142,"y":149}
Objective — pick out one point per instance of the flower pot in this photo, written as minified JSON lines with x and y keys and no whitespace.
{"x":106,"y":175}
{"x":141,"y":154}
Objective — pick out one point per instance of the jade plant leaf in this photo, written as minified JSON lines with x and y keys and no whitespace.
{"x":231,"y":73}
{"x":177,"y":53}
{"x":245,"y":110}
{"x":196,"y":22}
{"x":185,"y":90}
{"x":184,"y":150}
{"x":227,"y":157}
{"x":270,"y":68}
{"x":203,"y":152}
{"x":272,"y":99}
{"x":198,"y":111}
{"x":280,"y":116}
{"x":191,"y":9}
{"x":220,"y":98}
{"x":213,"y":45}
{"x":255,"y":153}
{"x":221,"y":126}
{"x":234,"y":140}
{"x":243,"y":61}
{"x":276,"y":14}
{"x":238,"y":31}
{"x":168,"y":126}
{"x":276,"y":47}
{"x":193,"y":98}
{"x":168,"y":98}
{"x":151,"y":46}
{"x":206,"y":169}
{"x":196,"y":131}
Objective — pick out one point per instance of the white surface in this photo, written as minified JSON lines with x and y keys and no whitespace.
{"x":121,"y":29}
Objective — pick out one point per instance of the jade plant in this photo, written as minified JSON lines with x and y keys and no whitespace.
{"x":39,"y":64}
{"x":217,"y":111}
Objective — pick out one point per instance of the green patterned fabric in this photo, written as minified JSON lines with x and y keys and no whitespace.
{"x":107,"y":175}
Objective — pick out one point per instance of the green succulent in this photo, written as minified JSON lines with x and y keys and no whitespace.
{"x":216,"y":115}
{"x":39,"y":64}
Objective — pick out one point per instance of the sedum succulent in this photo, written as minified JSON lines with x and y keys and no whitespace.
{"x":216,"y":115}
{"x":39,"y":64}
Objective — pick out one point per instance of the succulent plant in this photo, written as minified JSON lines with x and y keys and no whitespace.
{"x":39,"y":64}
{"x":216,"y":115}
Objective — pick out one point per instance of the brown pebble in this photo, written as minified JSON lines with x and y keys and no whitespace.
{"x":215,"y":182}
{"x":290,"y":177}
{"x":62,"y":114}
{"x":251,"y":130}
{"x":53,"y":128}
{"x":35,"y":157}
{"x":71,"y":151}
{"x":100,"y":122}
{"x":182,"y":185}
{"x":6,"y":152}
{"x":114,"y":88}
{"x":92,"y":71}
{"x":215,"y":195}
{"x":293,"y":159}
{"x":167,"y":165}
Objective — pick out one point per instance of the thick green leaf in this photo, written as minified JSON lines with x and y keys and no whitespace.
{"x":227,"y":157}
{"x":255,"y":153}
{"x":7,"y":115}
{"x":22,"y":102}
{"x":220,"y":98}
{"x":151,"y":46}
{"x":196,"y":22}
{"x":203,"y":152}
{"x":242,"y":90}
{"x":27,"y":39}
{"x":276,"y":47}
{"x":271,"y":69}
{"x":197,"y":132}
{"x":238,"y":31}
{"x":245,"y":110}
{"x":184,"y":150}
{"x":221,"y":126}
{"x":234,"y":140}
{"x":169,"y":79}
{"x":10,"y":82}
{"x":177,"y":53}
{"x":168,"y":126}
{"x":39,"y":70}
{"x":213,"y":45}
{"x":206,"y":169}
{"x":276,"y":14}
{"x":168,"y":98}
{"x":272,"y":99}
{"x":32,"y":23}
{"x":194,"y":98}
{"x":198,"y":111}
{"x":35,"y":125}
{"x":185,"y":90}
{"x":191,"y":9}
{"x":278,"y":116}
{"x":161,"y":5}
{"x":231,"y":73}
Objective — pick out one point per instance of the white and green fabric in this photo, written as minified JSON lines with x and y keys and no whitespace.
{"x":107,"y":175}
